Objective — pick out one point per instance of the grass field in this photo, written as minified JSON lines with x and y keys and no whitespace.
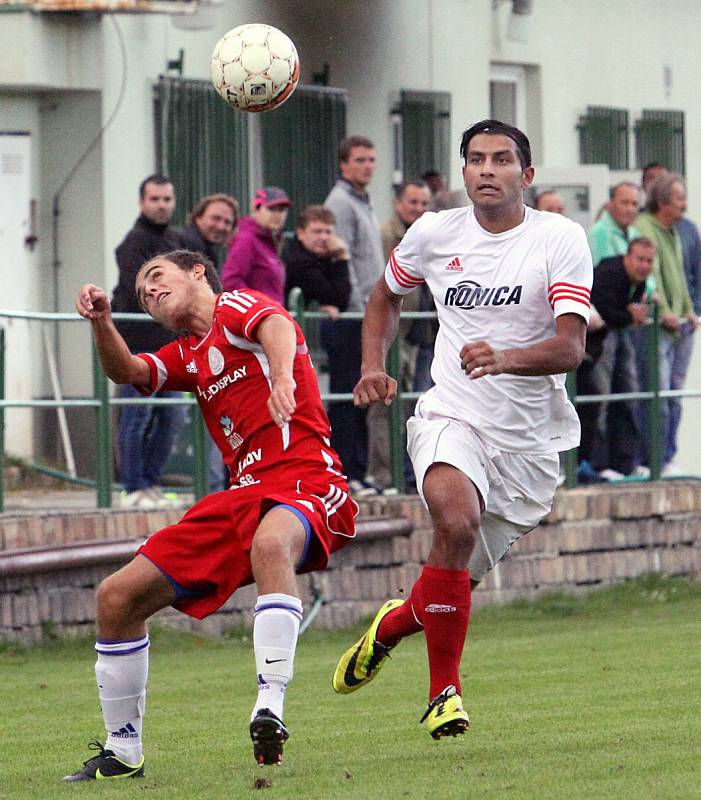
{"x":595,"y":698}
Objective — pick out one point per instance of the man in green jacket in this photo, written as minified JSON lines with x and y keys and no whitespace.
{"x":666,"y":204}
{"x":611,"y":234}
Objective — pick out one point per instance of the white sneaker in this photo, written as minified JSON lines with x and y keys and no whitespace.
{"x":360,"y":489}
{"x":671,"y":470}
{"x":139,"y":500}
{"x":160,"y":499}
{"x":609,"y":474}
{"x":641,"y":471}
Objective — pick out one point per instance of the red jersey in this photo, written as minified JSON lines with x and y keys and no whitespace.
{"x":229,"y":374}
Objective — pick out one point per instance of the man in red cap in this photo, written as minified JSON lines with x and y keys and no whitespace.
{"x":253,"y":261}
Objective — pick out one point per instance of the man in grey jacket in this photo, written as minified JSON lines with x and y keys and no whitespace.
{"x":357,"y":225}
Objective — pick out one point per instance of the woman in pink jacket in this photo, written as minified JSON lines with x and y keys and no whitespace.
{"x":253,"y":261}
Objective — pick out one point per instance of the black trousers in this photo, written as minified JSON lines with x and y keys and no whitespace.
{"x":349,"y":436}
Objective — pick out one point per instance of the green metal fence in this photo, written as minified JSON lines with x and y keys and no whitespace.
{"x":102,"y":402}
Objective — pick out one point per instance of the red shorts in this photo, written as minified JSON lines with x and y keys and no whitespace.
{"x":207,"y":555}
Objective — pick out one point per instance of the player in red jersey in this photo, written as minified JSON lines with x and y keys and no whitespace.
{"x":286,"y":510}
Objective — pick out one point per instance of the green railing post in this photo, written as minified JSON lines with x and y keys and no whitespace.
{"x":570,"y":456}
{"x":295,"y":302}
{"x":396,"y":419}
{"x":2,"y":420}
{"x":201,"y":477}
{"x":104,"y":433}
{"x":653,"y":421}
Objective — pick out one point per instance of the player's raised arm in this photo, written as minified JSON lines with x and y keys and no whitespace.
{"x":379,"y":331}
{"x":117,"y":362}
{"x":277,"y":335}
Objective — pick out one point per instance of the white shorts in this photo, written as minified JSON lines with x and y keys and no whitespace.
{"x":516,"y":489}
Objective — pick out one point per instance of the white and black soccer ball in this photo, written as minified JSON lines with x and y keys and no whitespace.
{"x":255,"y":67}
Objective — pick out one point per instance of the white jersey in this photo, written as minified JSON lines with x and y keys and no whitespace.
{"x":506,"y":289}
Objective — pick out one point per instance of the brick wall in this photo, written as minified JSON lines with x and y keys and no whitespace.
{"x":592,"y":537}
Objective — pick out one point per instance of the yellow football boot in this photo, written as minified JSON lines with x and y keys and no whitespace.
{"x":360,"y":663}
{"x":445,"y":715}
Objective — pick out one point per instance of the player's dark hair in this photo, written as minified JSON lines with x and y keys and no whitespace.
{"x":186,"y":260}
{"x":347,"y":144}
{"x":315,"y":213}
{"x":494,"y":128}
{"x":643,"y":241}
{"x":404,"y":185}
{"x":431,"y":173}
{"x":660,"y":191}
{"x":617,"y":186}
{"x":159,"y":180}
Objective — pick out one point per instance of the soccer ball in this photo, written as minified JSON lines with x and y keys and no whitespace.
{"x":255,"y":67}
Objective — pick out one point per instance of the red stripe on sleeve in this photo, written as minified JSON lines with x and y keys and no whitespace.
{"x":402,"y":277}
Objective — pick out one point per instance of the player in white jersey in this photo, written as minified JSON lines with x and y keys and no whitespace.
{"x":511,"y":287}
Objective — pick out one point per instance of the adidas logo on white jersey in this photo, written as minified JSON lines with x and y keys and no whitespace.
{"x":454,"y":265}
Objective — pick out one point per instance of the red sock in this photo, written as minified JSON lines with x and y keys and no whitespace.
{"x":402,"y":621}
{"x":445,"y":612}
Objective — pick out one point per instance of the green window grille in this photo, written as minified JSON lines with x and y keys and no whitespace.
{"x":659,"y":138}
{"x":603,"y":137}
{"x":300,"y":144}
{"x":425,"y":132}
{"x":201,"y":143}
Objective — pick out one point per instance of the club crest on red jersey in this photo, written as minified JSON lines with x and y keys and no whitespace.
{"x":216,"y":360}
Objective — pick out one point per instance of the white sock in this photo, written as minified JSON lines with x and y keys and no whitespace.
{"x":275,"y":629}
{"x":121,"y":671}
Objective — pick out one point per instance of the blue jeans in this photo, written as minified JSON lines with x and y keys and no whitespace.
{"x":610,"y":430}
{"x":422,"y":371}
{"x":674,"y":355}
{"x":146,"y":438}
{"x":679,"y":366}
{"x":218,"y":471}
{"x":349,"y":433}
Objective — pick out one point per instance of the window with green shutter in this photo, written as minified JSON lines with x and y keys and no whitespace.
{"x":299,"y":144}
{"x":201,"y":143}
{"x":425,"y":132}
{"x":659,"y":138}
{"x":603,"y":137}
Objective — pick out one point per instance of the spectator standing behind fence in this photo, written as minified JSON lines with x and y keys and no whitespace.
{"x":551,"y":201}
{"x":147,"y":433}
{"x":412,"y":200}
{"x":651,"y":172}
{"x":618,"y":291}
{"x":613,"y":232}
{"x":211,"y":223}
{"x":357,"y":225}
{"x":608,"y":237}
{"x":691,"y":257}
{"x":253,"y":261}
{"x":316,"y":260}
{"x":665,"y":206}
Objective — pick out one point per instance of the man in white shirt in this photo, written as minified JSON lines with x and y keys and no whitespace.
{"x":511,"y":287}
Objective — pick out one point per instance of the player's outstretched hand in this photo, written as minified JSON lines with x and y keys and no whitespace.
{"x":281,"y":403}
{"x":480,"y":358}
{"x":92,"y":302}
{"x":375,"y":387}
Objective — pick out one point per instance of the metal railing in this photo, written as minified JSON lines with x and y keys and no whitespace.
{"x":102,"y":402}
